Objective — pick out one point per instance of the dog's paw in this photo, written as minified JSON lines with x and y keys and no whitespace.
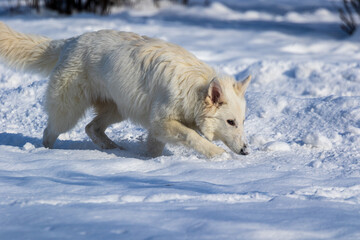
{"x":221,"y":157}
{"x":214,"y":152}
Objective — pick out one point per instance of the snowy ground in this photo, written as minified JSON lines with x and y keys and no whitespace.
{"x":301,"y":180}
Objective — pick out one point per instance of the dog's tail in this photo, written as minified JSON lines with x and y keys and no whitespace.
{"x":28,"y":52}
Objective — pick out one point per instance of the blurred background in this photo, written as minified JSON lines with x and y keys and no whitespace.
{"x":347,"y":10}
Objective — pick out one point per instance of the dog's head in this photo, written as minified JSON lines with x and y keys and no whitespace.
{"x":224,"y":113}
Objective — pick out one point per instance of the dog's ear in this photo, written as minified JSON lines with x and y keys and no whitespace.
{"x":241,"y":87}
{"x":215,"y":94}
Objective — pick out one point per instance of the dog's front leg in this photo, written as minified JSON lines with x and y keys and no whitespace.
{"x":175,"y":132}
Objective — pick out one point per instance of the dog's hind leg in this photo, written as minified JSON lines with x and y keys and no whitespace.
{"x":66,"y":102}
{"x":61,"y":119}
{"x":107,"y":114}
{"x":49,"y":137}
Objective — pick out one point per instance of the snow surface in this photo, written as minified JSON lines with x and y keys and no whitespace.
{"x":300,"y":181}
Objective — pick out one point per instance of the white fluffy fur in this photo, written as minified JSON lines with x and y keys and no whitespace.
{"x":153,"y":83}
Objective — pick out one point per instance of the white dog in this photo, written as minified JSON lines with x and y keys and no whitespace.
{"x":156,"y":84}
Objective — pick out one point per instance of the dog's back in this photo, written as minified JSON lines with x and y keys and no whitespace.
{"x":138,"y":72}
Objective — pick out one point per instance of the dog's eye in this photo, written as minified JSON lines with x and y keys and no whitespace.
{"x":231,"y":122}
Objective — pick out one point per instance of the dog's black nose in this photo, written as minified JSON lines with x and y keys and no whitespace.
{"x":244,"y":150}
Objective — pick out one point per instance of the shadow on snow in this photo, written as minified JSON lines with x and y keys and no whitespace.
{"x":133,"y":149}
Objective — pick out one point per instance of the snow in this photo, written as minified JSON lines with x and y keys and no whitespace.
{"x":318,"y":140}
{"x":301,"y":179}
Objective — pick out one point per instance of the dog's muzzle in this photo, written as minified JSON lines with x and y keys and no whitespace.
{"x":244,"y":150}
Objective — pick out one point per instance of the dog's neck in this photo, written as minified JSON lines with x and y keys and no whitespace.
{"x":196,"y":104}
